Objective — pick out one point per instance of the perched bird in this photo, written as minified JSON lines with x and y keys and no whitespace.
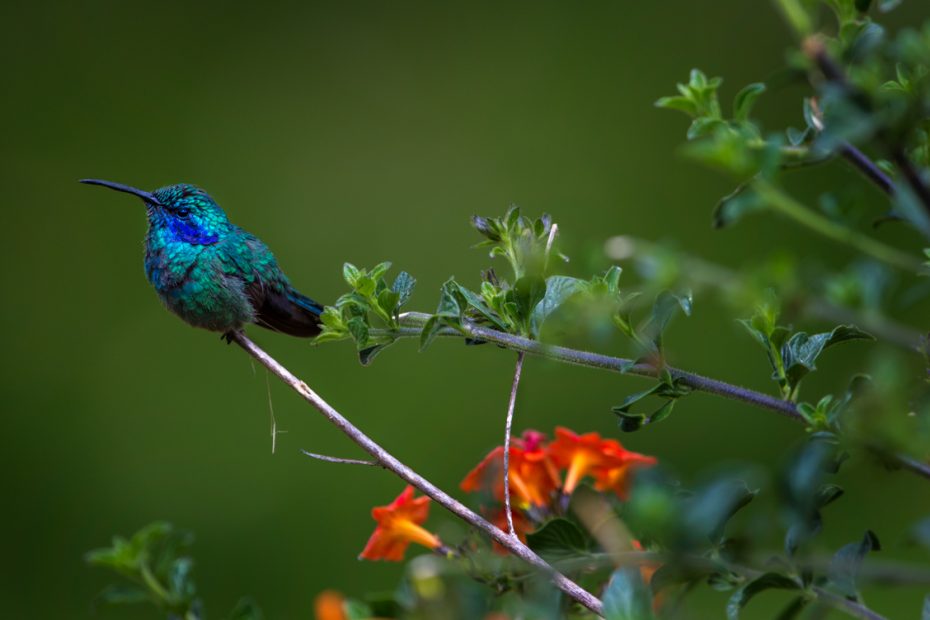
{"x":211,"y":273}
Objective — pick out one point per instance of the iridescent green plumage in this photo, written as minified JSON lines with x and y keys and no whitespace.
{"x":212,"y":273}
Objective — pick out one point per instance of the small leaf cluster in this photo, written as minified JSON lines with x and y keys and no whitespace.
{"x":733,"y":144}
{"x":519,"y":307}
{"x":793,"y":355}
{"x":524,"y":242}
{"x":647,"y":336}
{"x":157,"y":569}
{"x":371,"y":299}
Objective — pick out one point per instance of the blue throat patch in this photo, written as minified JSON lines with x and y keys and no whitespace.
{"x":190,"y":234}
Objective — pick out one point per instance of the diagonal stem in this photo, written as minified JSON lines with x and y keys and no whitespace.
{"x":385,"y":459}
{"x":508,"y":426}
{"x":791,"y":208}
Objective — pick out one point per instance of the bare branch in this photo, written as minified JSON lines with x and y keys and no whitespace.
{"x":815,"y":49}
{"x":508,"y":426}
{"x":389,"y":462}
{"x":336,"y":459}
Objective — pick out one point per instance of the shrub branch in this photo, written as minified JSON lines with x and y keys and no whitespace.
{"x":383,"y":458}
{"x":412,"y":324}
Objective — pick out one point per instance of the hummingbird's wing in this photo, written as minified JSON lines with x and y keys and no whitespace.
{"x":278,"y":305}
{"x":288,"y":311}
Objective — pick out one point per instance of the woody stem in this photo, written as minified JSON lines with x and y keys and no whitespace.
{"x":388,"y":461}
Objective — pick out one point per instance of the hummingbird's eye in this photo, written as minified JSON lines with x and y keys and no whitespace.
{"x":183,"y":212}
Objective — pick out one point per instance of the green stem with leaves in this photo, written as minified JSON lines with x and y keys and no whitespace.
{"x":412,"y":324}
{"x":810,"y":219}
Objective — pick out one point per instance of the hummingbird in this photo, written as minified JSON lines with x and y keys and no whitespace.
{"x":211,"y":273}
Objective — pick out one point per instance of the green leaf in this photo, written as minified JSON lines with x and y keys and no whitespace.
{"x":389,"y":301}
{"x":630,"y":421}
{"x":745,"y":99}
{"x":356,"y":610}
{"x":367,"y":355}
{"x":627,"y":597}
{"x":768,"y":581}
{"x":801,"y":351}
{"x":845,"y":564}
{"x":558,"y":290}
{"x":379,"y":270}
{"x":527,"y":292}
{"x":558,"y":539}
{"x":358,"y":327}
{"x":664,"y":308}
{"x":403,"y":286}
{"x":448,"y":300}
{"x":430,"y":330}
{"x":710,"y":510}
{"x":734,"y":206}
{"x":350,"y":273}
{"x":476,"y":303}
{"x":677,"y":102}
{"x":703,"y":126}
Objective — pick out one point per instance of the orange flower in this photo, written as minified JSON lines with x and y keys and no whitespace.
{"x":398,"y":526}
{"x":533,"y":477}
{"x":619,"y":479}
{"x":521,"y":525}
{"x":604,"y":459}
{"x":328,"y":605}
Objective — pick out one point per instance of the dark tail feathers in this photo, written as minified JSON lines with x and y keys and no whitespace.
{"x":291,"y":313}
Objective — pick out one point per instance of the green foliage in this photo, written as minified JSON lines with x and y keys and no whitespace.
{"x":525,"y":243}
{"x":868,"y":91}
{"x":793,"y":355}
{"x":767,"y":581}
{"x":845,"y":565}
{"x":559,"y":539}
{"x":627,"y":597}
{"x":371,"y":299}
{"x":158,"y":570}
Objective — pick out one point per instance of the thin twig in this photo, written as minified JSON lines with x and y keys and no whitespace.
{"x":854,"y":156}
{"x":507,"y":431}
{"x":913,"y":176}
{"x":389,"y":462}
{"x":337,"y":459}
{"x":815,"y":49}
{"x":626,"y":366}
{"x":867,"y":167}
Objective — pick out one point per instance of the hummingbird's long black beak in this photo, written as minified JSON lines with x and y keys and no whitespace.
{"x":146,"y":196}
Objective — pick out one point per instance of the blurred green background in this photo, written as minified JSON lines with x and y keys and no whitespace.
{"x":350,"y":132}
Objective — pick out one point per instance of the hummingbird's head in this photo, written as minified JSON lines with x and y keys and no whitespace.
{"x":184,"y":211}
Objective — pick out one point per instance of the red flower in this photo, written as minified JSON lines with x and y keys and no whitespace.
{"x":604,"y":459}
{"x":533,"y":477}
{"x":398,"y":526}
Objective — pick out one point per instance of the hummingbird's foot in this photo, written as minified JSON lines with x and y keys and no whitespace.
{"x":228,"y":336}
